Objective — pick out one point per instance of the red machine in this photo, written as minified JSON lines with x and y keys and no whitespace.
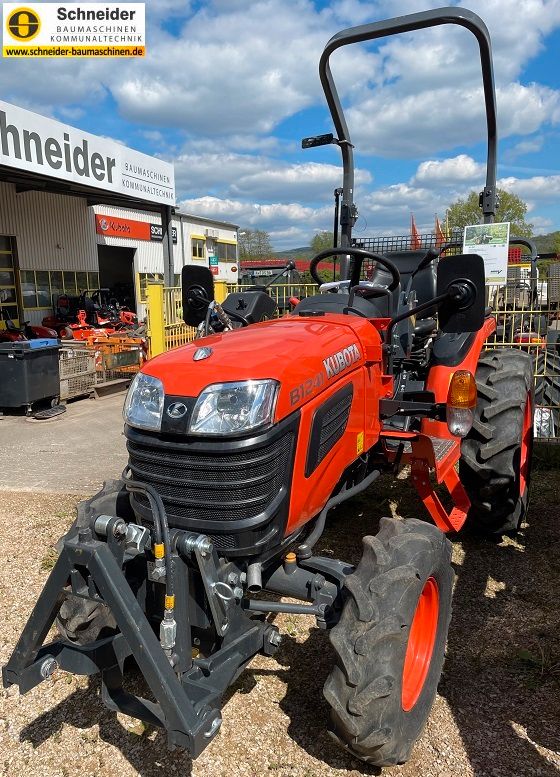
{"x":12,"y":333}
{"x":242,"y":442}
{"x":83,"y":317}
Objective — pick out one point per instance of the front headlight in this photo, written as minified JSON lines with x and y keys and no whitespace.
{"x":230,"y":408}
{"x":143,"y":406}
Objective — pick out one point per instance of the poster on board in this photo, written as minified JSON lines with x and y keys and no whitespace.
{"x":491,"y":241}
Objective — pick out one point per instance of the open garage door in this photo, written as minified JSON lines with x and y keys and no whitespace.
{"x":116,"y":273}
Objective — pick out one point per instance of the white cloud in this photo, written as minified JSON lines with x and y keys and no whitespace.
{"x":288,"y":224}
{"x":264,"y":178}
{"x":456,"y":170}
{"x":542,"y":225}
{"x":386,"y":209}
{"x":536,"y":190}
{"x":235,"y":71}
{"x":70,"y":113}
{"x":413,"y":125}
{"x":529,"y":146}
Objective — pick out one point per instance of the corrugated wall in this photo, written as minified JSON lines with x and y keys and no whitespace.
{"x":53,"y":232}
{"x":149,"y":254}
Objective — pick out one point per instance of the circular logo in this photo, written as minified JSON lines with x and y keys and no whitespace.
{"x":23,"y":24}
{"x":176,"y":410}
{"x":104,"y":224}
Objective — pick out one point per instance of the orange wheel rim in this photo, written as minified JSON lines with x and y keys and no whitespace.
{"x":421,"y":641}
{"x":526,"y":446}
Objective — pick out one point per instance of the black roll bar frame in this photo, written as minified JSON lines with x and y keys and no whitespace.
{"x":417,"y":21}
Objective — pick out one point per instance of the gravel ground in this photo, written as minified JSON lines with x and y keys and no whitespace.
{"x":497,"y":713}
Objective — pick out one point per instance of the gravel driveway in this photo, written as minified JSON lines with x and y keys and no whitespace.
{"x":497,"y":715}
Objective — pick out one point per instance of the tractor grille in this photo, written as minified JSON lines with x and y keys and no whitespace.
{"x":195,"y":487}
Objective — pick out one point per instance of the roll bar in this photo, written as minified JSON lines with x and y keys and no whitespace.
{"x":400,"y":24}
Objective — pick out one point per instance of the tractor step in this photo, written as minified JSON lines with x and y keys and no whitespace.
{"x":442,"y":448}
{"x":432,"y":457}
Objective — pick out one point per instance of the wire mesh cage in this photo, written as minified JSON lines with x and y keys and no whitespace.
{"x":118,"y":358}
{"x":76,"y":362}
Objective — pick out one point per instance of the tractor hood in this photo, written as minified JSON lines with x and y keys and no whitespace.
{"x":304,"y":354}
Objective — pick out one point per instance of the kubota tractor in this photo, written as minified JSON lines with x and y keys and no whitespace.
{"x":242,"y":442}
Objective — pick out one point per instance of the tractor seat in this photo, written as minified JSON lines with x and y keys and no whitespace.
{"x":424,"y":282}
{"x":338,"y":303}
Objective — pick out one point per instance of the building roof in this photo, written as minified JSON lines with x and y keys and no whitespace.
{"x":204,"y":219}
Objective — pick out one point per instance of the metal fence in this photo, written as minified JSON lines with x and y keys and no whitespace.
{"x":176,"y":331}
{"x":527,"y":317}
{"x":381,"y":245}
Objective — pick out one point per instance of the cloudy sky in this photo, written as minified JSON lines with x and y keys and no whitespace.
{"x":229,"y":87}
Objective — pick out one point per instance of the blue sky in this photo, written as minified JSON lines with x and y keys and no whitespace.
{"x":229,"y":87}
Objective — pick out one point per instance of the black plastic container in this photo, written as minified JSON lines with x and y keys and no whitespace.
{"x":29,"y":372}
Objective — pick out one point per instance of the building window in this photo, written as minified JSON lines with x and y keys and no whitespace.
{"x":143,"y":279}
{"x":198,"y":247}
{"x":152,"y":277}
{"x":227,"y":252}
{"x":8,"y":290}
{"x":41,"y":288}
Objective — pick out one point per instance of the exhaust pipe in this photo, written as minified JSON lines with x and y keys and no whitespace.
{"x":254,"y":577}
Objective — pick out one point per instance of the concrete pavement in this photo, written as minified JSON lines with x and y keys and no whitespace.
{"x":72,"y":453}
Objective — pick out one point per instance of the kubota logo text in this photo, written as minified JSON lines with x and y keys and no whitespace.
{"x":341,"y":360}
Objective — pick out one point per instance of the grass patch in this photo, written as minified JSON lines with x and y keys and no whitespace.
{"x":49,"y":560}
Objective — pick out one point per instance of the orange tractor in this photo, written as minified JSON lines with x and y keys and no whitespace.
{"x":242,"y":442}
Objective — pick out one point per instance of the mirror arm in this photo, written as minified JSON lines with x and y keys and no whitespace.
{"x":407,"y":314}
{"x":462,"y":292}
{"x":412,"y":312}
{"x":288,"y":268}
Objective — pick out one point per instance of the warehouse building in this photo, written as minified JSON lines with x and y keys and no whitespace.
{"x":130,"y":252}
{"x":79,"y":212}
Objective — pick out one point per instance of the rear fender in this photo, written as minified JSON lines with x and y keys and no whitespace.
{"x":440,"y":375}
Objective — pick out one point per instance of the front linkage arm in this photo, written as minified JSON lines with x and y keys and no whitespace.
{"x":97,"y":563}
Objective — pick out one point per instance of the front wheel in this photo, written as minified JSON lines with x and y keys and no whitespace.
{"x":390,"y":641}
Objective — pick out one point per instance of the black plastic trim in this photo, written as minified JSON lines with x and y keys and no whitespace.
{"x":450,"y":349}
{"x":319,"y":444}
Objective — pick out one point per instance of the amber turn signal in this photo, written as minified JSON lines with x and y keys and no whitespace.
{"x":461,"y":402}
{"x":462,"y":390}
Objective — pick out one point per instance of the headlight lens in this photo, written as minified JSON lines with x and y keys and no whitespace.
{"x":230,"y":408}
{"x":143,"y":406}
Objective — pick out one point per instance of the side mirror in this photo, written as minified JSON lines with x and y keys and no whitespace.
{"x":198,"y":293}
{"x":462,"y":279}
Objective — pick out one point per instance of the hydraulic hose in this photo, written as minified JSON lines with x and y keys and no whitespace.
{"x":161,"y":526}
{"x":306,"y":549}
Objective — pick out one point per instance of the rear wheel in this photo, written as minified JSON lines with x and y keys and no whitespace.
{"x":390,"y":641}
{"x":495,"y":464}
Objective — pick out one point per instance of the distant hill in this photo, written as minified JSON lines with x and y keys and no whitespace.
{"x":295,"y":253}
{"x":547,"y":243}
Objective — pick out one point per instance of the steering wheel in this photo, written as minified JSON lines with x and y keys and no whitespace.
{"x":359,"y":255}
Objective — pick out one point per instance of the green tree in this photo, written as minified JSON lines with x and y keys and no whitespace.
{"x":254,"y":244}
{"x":466,"y":211}
{"x":321,"y":240}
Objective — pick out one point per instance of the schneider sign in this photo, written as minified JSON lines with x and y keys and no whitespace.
{"x":32,"y":142}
